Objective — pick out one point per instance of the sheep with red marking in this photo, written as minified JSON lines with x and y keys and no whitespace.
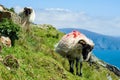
{"x":75,"y":46}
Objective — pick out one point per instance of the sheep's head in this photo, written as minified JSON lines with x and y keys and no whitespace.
{"x":5,"y":41}
{"x":27,"y":11}
{"x":86,"y":49}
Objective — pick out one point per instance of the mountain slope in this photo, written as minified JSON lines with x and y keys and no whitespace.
{"x":38,"y":61}
{"x":102,"y":42}
{"x":34,"y":52}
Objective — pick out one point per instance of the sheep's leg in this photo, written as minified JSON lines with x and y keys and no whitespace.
{"x":77,"y":61}
{"x":71,"y":62}
{"x":80,"y":69}
{"x":77,"y":72}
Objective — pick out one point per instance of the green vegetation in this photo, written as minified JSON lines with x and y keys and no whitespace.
{"x":12,"y":10}
{"x":38,"y":61}
{"x":10,"y":29}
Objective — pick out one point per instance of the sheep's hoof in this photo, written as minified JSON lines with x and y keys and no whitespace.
{"x":80,"y":74}
{"x":72,"y":71}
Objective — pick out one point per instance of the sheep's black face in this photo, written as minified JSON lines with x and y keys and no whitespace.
{"x":27,"y":11}
{"x":85,"y":51}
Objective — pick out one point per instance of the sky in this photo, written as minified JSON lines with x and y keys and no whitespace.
{"x":101,"y":16}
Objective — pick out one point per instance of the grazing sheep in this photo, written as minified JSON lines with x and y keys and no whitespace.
{"x":75,"y":46}
{"x":27,"y":16}
{"x":5,"y":41}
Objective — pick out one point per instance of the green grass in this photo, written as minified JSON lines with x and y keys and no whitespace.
{"x":38,"y":61}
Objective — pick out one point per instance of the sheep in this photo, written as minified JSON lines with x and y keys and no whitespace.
{"x":5,"y":41}
{"x":75,"y":46}
{"x":27,"y":16}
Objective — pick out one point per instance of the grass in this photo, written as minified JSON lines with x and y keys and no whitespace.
{"x":38,"y":61}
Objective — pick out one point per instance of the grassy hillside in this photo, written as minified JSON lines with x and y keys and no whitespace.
{"x":37,"y":60}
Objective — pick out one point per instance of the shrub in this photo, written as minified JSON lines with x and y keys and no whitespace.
{"x":10,"y":29}
{"x":12,"y":10}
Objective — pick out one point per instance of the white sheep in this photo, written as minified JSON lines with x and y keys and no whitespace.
{"x":27,"y":16}
{"x":75,"y":46}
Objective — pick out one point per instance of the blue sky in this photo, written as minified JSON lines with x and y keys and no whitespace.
{"x":101,"y":16}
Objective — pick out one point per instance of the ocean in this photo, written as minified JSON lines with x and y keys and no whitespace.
{"x":109,"y":56}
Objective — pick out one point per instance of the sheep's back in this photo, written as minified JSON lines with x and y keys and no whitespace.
{"x":71,"y":53}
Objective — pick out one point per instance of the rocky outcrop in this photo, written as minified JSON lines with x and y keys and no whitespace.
{"x":10,"y":15}
{"x":5,"y":13}
{"x":110,"y":67}
{"x":15,"y":18}
{"x":113,"y":69}
{"x":2,"y":8}
{"x":10,"y":62}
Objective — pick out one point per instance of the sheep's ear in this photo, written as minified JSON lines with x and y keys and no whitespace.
{"x":25,"y":8}
{"x":81,"y":42}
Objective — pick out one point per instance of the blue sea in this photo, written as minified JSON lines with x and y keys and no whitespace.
{"x":109,"y":56}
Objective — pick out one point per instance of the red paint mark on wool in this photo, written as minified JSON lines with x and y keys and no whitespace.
{"x":74,"y":33}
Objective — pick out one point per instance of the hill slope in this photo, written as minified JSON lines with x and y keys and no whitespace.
{"x":102,"y":42}
{"x":38,"y":61}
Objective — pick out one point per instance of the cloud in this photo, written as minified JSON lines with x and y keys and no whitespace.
{"x":18,"y":9}
{"x":61,"y":17}
{"x":65,"y":18}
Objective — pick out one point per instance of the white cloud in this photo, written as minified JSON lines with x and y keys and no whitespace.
{"x":18,"y":9}
{"x":57,"y":9}
{"x":60,"y":17}
{"x":64,"y":18}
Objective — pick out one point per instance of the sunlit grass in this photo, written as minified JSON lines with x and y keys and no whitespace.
{"x":38,"y":61}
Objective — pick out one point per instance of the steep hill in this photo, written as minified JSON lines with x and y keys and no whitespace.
{"x":102,"y":42}
{"x":38,"y":61}
{"x":35,"y":58}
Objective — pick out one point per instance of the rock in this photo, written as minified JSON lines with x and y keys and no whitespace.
{"x":2,"y":8}
{"x":10,"y":62}
{"x":110,"y":67}
{"x":5,"y":41}
{"x":113,"y":69}
{"x":10,"y":15}
{"x":5,"y":13}
{"x":15,"y":18}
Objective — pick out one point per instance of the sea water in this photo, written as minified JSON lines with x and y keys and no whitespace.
{"x":109,"y":56}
